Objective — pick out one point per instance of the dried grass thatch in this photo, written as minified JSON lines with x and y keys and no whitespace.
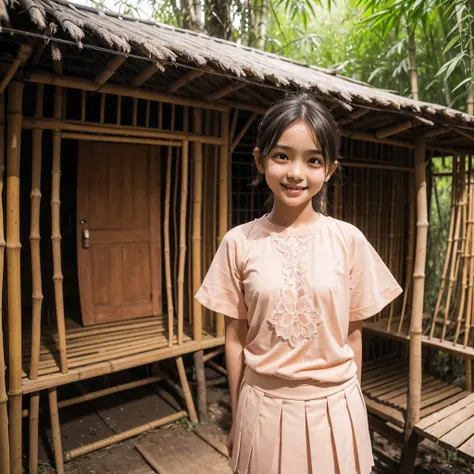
{"x":166,"y":44}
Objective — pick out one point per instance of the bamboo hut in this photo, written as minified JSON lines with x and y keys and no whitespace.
{"x":127,"y":156}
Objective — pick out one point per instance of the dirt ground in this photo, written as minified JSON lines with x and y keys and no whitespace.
{"x":92,"y":421}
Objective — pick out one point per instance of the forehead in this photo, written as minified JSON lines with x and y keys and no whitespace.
{"x":299,"y":136}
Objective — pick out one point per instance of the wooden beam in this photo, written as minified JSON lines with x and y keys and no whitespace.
{"x":464,"y":134}
{"x":436,"y":132}
{"x":115,"y":89}
{"x":109,"y":70}
{"x":21,"y":57}
{"x":353,"y":116}
{"x":226,"y":91}
{"x":394,"y":129}
{"x":146,"y":74}
{"x":188,"y":77}
{"x":243,"y":131}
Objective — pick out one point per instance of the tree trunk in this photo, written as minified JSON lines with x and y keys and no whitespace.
{"x":412,"y":65}
{"x":261,"y":26}
{"x":218,"y":23}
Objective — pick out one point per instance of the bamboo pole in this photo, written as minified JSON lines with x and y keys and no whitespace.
{"x":13,"y":246}
{"x":33,"y":442}
{"x":186,"y":391}
{"x":468,"y":316}
{"x":83,"y":105}
{"x":197,"y":225}
{"x":4,"y":438}
{"x":116,"y":438}
{"x":23,"y":54}
{"x":117,"y":129}
{"x":391,"y":245}
{"x":414,"y":388}
{"x":56,"y":232}
{"x":167,"y":248}
{"x":411,"y":247}
{"x":182,"y":240}
{"x":102,"y":107}
{"x":448,"y":249}
{"x":223,"y":198}
{"x":56,"y":430}
{"x":35,"y":238}
{"x":115,"y":139}
{"x":119,"y":110}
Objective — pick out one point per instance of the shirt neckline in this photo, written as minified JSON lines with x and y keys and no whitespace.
{"x":303,"y":230}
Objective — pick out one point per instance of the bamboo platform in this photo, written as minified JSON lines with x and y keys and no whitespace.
{"x":385,"y":388}
{"x":106,"y":348}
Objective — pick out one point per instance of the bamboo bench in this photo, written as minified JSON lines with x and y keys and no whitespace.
{"x":443,"y":406}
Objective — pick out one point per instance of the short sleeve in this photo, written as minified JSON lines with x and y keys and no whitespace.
{"x":372,"y":286}
{"x":222,"y":288}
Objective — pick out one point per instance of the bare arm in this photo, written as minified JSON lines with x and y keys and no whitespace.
{"x":235,"y":337}
{"x":354,"y":339}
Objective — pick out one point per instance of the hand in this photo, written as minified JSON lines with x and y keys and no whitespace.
{"x":230,"y":440}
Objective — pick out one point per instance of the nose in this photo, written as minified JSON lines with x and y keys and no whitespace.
{"x":295,"y":172}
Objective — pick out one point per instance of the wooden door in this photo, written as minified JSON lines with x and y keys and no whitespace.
{"x":118,"y":201}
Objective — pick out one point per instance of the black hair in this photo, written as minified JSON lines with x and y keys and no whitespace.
{"x":300,"y":107}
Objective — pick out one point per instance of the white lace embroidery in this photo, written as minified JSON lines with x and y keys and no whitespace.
{"x":294,"y":317}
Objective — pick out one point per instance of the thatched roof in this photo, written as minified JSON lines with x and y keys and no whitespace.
{"x":175,"y":51}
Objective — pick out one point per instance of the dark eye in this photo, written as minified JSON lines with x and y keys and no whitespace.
{"x":316,"y":161}
{"x":281,"y":156}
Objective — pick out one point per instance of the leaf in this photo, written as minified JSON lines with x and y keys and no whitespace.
{"x":465,"y":81}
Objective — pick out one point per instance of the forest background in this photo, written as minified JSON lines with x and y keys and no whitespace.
{"x":417,"y":48}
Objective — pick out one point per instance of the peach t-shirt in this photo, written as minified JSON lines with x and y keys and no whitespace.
{"x":298,"y":290}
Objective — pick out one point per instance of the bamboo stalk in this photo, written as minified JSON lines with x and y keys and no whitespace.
{"x":197,"y":224}
{"x":468,"y":316}
{"x":166,"y":239}
{"x":115,"y":139}
{"x":23,"y":54}
{"x":135,"y":112}
{"x":147,"y":114}
{"x":35,"y":237}
{"x":116,"y":438}
{"x":182,"y":240}
{"x":223,"y":198}
{"x":411,"y":247}
{"x":186,"y":391}
{"x":391,"y":244}
{"x":56,"y":232}
{"x":34,"y":422}
{"x":56,"y":430}
{"x":242,"y":132}
{"x":119,"y":110}
{"x":448,"y":250}
{"x":4,"y":437}
{"x":414,"y":388}
{"x":13,"y":248}
{"x":212,"y":354}
{"x":102,"y":107}
{"x":117,"y":129}
{"x":83,"y":105}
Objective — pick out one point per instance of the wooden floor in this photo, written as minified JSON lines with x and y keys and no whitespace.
{"x":89,"y":348}
{"x":385,"y":388}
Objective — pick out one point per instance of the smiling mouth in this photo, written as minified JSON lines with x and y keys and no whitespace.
{"x":294,"y":188}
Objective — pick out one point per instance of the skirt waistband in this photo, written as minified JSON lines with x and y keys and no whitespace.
{"x":293,"y":389}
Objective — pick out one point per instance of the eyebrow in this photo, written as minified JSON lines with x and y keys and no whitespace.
{"x":286,"y":147}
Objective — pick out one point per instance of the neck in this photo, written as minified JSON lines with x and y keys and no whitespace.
{"x":287,"y":216}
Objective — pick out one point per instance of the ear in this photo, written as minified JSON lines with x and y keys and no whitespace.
{"x":257,"y":154}
{"x":332,"y":169}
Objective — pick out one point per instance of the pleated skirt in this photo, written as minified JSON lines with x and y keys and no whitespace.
{"x":319,"y":435}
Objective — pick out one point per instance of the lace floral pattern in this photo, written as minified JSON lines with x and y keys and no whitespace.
{"x":294,"y":317}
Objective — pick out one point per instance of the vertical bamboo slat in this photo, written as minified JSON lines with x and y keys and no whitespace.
{"x":35,"y":238}
{"x":414,"y":388}
{"x":197,"y":225}
{"x":33,"y":441}
{"x":56,"y":233}
{"x":223,"y":197}
{"x":167,"y":250}
{"x":4,"y":438}
{"x":182,"y":240}
{"x":13,"y":246}
{"x":56,"y":430}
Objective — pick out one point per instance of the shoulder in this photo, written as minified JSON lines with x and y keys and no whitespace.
{"x":239,"y":233}
{"x":350,"y":233}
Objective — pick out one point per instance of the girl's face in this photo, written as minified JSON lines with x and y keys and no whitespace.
{"x":295,"y":169}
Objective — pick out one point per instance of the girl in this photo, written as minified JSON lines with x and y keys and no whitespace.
{"x":294,"y":286}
